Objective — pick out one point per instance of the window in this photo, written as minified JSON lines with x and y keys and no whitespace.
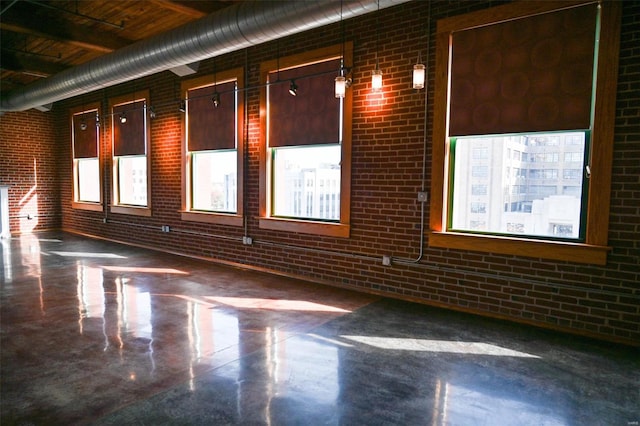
{"x":522,"y":76}
{"x":305,"y":153}
{"x":87,"y":182}
{"x":131,"y":189}
{"x":213,"y":147}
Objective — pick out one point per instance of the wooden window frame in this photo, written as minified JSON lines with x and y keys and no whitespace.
{"x":125,"y":208}
{"x":76,"y":203}
{"x":594,"y":250}
{"x":220,"y":218}
{"x":266,"y":221}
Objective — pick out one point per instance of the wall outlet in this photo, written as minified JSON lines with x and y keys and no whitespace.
{"x":386,"y":260}
{"x":166,"y":228}
{"x":247,"y":241}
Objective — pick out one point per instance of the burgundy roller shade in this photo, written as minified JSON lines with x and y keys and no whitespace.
{"x":526,"y":75}
{"x":85,"y":142}
{"x":129,"y":138}
{"x":313,"y":116}
{"x":212,"y":128}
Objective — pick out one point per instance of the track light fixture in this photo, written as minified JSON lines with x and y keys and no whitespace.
{"x":152,"y":112}
{"x":293,"y":88}
{"x":216,"y":99}
{"x":183,"y":106}
{"x":123,"y":118}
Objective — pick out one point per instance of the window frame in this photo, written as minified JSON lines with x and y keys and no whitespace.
{"x":76,"y":203}
{"x":187,"y":212}
{"x":341,"y":228}
{"x":594,"y":250}
{"x":116,"y":206}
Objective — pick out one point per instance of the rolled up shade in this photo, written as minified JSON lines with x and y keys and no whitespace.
{"x":129,"y":138}
{"x":210,"y":127}
{"x":313,"y":116}
{"x":85,"y":142}
{"x":526,"y":75}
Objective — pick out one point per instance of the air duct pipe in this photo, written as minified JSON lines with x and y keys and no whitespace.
{"x":241,"y":25}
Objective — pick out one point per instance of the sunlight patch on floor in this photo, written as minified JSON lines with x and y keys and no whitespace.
{"x":425,"y":345}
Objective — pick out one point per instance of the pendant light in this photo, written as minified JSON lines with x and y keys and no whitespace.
{"x":340,"y":81}
{"x":418,"y":74}
{"x":376,"y":75}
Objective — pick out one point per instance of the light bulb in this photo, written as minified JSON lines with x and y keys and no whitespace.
{"x":418,"y":76}
{"x":341,"y":85}
{"x":376,"y":80}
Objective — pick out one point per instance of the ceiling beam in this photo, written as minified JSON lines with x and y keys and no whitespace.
{"x":24,"y":18}
{"x":11,"y":61}
{"x":194,"y":9}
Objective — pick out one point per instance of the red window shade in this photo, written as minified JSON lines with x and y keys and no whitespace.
{"x":209,"y":127}
{"x":129,"y":138}
{"x":85,"y":142}
{"x":313,"y":116}
{"x":526,"y":75}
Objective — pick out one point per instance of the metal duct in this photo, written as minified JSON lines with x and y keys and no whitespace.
{"x":244,"y":24}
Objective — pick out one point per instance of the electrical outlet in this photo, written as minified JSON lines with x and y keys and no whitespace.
{"x":166,"y":228}
{"x":423,"y":196}
{"x":386,"y":260}
{"x":247,"y":241}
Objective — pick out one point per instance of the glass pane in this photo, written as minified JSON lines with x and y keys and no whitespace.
{"x":214,"y":175}
{"x":88,"y":179}
{"x":306,"y":182}
{"x":527,"y":184}
{"x":132,"y":180}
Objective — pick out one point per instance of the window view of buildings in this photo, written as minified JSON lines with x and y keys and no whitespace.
{"x":132,"y":180}
{"x":519,"y":184}
{"x":215,"y":186}
{"x":307,"y":182}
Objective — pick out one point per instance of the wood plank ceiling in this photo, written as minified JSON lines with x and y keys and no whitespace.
{"x":40,"y":38}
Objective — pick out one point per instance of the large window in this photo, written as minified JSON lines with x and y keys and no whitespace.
{"x":523,"y":125}
{"x":130,"y":136}
{"x":87,"y":182}
{"x":527,"y":200}
{"x":213,"y":160}
{"x":305,"y":151}
{"x":306,"y":182}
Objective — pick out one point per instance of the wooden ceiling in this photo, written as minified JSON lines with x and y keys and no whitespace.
{"x":40,"y":38}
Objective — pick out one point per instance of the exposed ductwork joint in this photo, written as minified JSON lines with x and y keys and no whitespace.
{"x":244,"y":24}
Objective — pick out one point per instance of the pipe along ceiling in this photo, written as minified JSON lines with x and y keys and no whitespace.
{"x":241,"y":25}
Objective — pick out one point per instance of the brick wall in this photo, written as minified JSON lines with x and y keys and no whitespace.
{"x":388,"y":151}
{"x":28,"y":165}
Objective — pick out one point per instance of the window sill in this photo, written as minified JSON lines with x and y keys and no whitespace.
{"x":306,"y":227}
{"x":552,"y":250}
{"x":80,"y":205}
{"x":135,"y":211}
{"x":216,"y":218}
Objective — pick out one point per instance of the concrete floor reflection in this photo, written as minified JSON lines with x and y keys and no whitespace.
{"x":126,"y":336}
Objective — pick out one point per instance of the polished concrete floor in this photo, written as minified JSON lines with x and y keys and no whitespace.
{"x":98,"y":333}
